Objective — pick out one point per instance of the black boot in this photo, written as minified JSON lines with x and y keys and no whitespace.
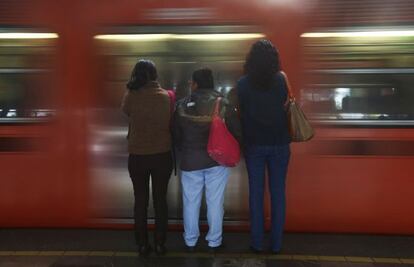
{"x":160,"y":249}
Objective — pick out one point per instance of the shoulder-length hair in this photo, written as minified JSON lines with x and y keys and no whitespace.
{"x":143,"y":72}
{"x":262,"y":64}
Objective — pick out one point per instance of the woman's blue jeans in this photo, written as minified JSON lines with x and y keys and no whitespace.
{"x":275,"y":159}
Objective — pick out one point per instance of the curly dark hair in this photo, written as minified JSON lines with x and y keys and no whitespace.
{"x":143,"y":72}
{"x":262,"y":63}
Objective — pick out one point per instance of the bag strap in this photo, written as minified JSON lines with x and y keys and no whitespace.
{"x":216,"y":107}
{"x":291,"y":97}
{"x":171,"y":94}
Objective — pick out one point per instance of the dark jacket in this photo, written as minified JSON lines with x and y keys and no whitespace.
{"x":192,"y":120}
{"x":148,"y":111}
{"x":263,"y":113}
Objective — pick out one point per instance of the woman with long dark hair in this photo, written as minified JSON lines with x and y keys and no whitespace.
{"x":262,"y":94}
{"x":148,"y":106}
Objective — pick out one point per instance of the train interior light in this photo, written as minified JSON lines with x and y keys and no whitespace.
{"x":389,"y":33}
{"x":27,"y":35}
{"x":198,"y":37}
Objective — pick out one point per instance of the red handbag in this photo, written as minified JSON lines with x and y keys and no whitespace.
{"x":222,"y":146}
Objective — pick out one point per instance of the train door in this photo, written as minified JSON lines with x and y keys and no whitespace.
{"x":177,"y":52}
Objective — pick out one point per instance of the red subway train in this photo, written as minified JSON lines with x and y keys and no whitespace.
{"x":63,"y":69}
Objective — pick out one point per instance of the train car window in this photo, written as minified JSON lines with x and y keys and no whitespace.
{"x":25,"y":71}
{"x":360,"y":77}
{"x":177,"y":51}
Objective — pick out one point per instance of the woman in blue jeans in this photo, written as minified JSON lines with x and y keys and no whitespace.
{"x":262,"y":95}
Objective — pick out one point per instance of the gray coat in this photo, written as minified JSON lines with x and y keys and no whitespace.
{"x":191,"y":127}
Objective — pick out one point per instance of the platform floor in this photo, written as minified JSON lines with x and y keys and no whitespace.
{"x":85,"y":247}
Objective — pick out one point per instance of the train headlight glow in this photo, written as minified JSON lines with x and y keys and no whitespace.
{"x":27,"y":35}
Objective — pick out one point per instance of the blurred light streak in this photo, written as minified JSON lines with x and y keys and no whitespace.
{"x":180,"y":13}
{"x":198,"y":37}
{"x":358,"y":34}
{"x":134,"y":37}
{"x":220,"y":36}
{"x":352,"y":116}
{"x":27,"y":35}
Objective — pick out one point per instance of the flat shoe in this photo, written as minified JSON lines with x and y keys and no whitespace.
{"x":190,"y":249}
{"x":255,"y":250}
{"x":144,"y":250}
{"x":215,"y":249}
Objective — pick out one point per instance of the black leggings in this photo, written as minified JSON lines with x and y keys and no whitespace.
{"x":140,"y":167}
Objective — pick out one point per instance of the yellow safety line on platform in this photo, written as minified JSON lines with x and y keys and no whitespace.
{"x":6,"y":253}
{"x":26,"y":253}
{"x":407,"y":261}
{"x":51,"y":253}
{"x":332,"y":258}
{"x":387,"y":260}
{"x":359,"y":259}
{"x":76,"y":253}
{"x":313,"y":258}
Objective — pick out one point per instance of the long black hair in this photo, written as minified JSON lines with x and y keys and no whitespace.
{"x":143,"y":72}
{"x":262,"y":64}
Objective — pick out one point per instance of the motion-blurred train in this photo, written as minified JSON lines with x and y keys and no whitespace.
{"x":63,"y":69}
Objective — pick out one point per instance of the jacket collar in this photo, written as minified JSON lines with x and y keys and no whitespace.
{"x":206,"y":94}
{"x":210,"y":92}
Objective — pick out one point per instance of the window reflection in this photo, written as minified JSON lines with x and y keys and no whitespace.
{"x":353,"y":77}
{"x":177,"y":52}
{"x":25,"y":75}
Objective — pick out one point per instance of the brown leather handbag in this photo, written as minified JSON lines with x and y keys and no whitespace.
{"x":299,"y":127}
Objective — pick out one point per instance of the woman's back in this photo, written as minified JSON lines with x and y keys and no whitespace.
{"x":148,"y":112}
{"x":263,"y":114}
